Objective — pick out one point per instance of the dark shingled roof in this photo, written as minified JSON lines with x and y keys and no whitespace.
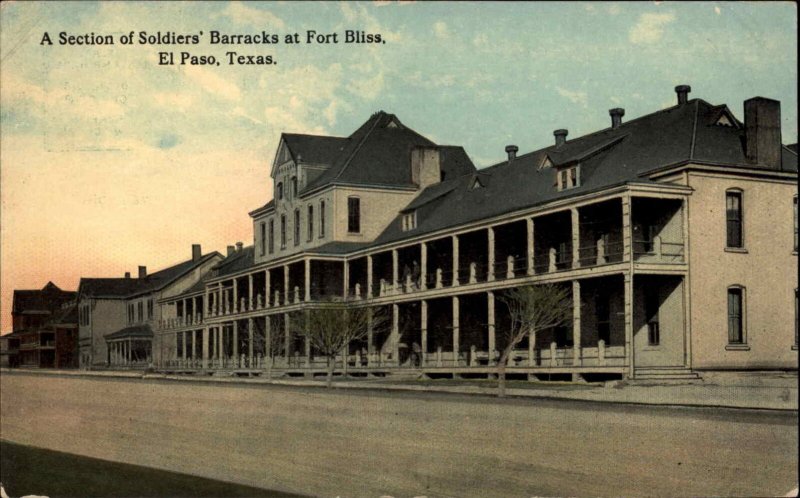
{"x":133,"y":332}
{"x":609,"y":157}
{"x":314,"y":149}
{"x":125,"y":287}
{"x":47,"y":299}
{"x":237,"y":261}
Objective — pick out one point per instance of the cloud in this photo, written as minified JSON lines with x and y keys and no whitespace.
{"x":480,"y":40}
{"x":169,"y":141}
{"x":441,"y":30}
{"x":213,"y":83}
{"x":650,"y":27}
{"x":575,"y":97}
{"x":240,"y":13}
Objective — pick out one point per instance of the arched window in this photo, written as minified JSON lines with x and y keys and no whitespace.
{"x":734,"y":218}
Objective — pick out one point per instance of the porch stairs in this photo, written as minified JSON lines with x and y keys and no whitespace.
{"x":665,"y":373}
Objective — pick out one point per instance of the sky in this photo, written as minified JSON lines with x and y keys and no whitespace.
{"x":109,"y":160}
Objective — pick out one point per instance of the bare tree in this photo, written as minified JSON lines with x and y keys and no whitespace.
{"x":271,"y":344}
{"x":531,"y":308}
{"x":331,"y":326}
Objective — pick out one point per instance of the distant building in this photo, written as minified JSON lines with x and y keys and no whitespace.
{"x":44,"y":329}
{"x":116,"y":316}
{"x":676,"y":233}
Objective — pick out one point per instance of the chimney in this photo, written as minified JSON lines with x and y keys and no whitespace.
{"x":762,"y":131}
{"x":196,"y":252}
{"x":511,"y":150}
{"x":616,"y":116}
{"x":231,"y":249}
{"x":142,"y":271}
{"x":239,"y":246}
{"x":426,"y":167}
{"x":561,"y":136}
{"x":127,"y":274}
{"x":683,"y":93}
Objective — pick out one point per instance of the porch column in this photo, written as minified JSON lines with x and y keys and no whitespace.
{"x":185,"y":335}
{"x":267,"y":290}
{"x":369,"y":276}
{"x":235,"y":342}
{"x":130,"y":356}
{"x":195,"y":352}
{"x":307,"y":342}
{"x":395,"y":269}
{"x":346,"y":278}
{"x":220,"y":342}
{"x":423,"y":326}
{"x":370,"y":346}
{"x":267,"y":339}
{"x":205,"y":347}
{"x":220,"y":299}
{"x":287,"y":338}
{"x":576,"y":323}
{"x":576,"y":238}
{"x":530,"y":227}
{"x":250,"y":343}
{"x":235,"y":296}
{"x":251,"y":300}
{"x":423,"y":270}
{"x":455,"y":260}
{"x":396,"y":333}
{"x":286,"y":292}
{"x":455,"y":329}
{"x":687,"y":305}
{"x":307,"y":279}
{"x":531,"y":346}
{"x":628,"y":307}
{"x":490,"y":261}
{"x":490,"y":325}
{"x":627,"y":233}
{"x":207,"y":302}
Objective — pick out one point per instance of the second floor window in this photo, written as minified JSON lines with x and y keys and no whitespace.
{"x":294,"y":187}
{"x":279,"y":189}
{"x":140,"y":309}
{"x":131,"y":316}
{"x":310,"y":222}
{"x":353,"y":215}
{"x":150,"y":309}
{"x":263,"y":237}
{"x":733,"y":217}
{"x":271,"y":236}
{"x":283,"y":231}
{"x":296,"y":226}
{"x":735,"y":316}
{"x":322,"y":219}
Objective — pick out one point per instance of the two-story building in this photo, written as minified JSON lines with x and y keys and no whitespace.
{"x":671,"y":230}
{"x":117,"y":316}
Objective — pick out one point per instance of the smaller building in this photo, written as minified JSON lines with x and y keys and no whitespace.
{"x":9,"y":351}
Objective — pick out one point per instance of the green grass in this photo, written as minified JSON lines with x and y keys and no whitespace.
{"x":26,"y":470}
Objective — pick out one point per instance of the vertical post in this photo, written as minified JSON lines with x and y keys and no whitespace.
{"x":250,"y":343}
{"x":251,"y":301}
{"x":490,"y":262}
{"x":346,"y":278}
{"x":369,"y":276}
{"x":531,"y":347}
{"x":205,"y":347}
{"x":207,"y":302}
{"x":627,"y":232}
{"x":455,"y":260}
{"x":629,"y":357}
{"x":286,"y":292}
{"x":185,"y":335}
{"x":220,"y":299}
{"x":267,"y":339}
{"x":370,"y":346}
{"x":235,"y":307}
{"x":195,"y":345}
{"x":490,"y":325}
{"x":267,"y":289}
{"x":307,"y":279}
{"x":687,"y":308}
{"x":455,"y":329}
{"x":530,"y":227}
{"x":395,"y":269}
{"x":307,"y":340}
{"x":235,"y":342}
{"x":396,"y":334}
{"x":576,"y":323}
{"x":423,"y":326}
{"x":286,"y":338}
{"x":423,"y":270}
{"x":576,"y":238}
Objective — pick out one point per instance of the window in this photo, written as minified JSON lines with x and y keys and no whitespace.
{"x":283,"y":231}
{"x":794,"y":207}
{"x":263,"y":232}
{"x":563,"y":252}
{"x":322,"y":219}
{"x":296,"y":227}
{"x":736,"y":315}
{"x":131,"y":317}
{"x":353,"y":215}
{"x":294,"y":187}
{"x":409,"y":221}
{"x":310,"y":221}
{"x":140,"y":309}
{"x":568,"y":178}
{"x":150,"y":309}
{"x":271,"y":236}
{"x":733,"y":215}
{"x":651,"y":306}
{"x":279,"y":188}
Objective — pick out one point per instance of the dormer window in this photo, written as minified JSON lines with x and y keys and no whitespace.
{"x":279,"y":189}
{"x":724,"y":121}
{"x":476,"y":184}
{"x":409,"y":221}
{"x":568,"y":178}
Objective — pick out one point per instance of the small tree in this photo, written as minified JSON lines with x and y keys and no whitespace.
{"x":531,"y":308}
{"x":331,"y":326}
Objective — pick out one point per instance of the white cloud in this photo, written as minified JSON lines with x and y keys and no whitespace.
{"x":257,"y":18}
{"x":717,"y":10}
{"x":174,"y":100}
{"x":480,"y":40}
{"x":576,"y":97}
{"x":650,"y":27}
{"x":213,"y":83}
{"x":441,"y":30}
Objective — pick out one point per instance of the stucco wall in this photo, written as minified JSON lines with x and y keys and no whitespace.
{"x":378,"y":209}
{"x":767,"y":270}
{"x":107,"y":315}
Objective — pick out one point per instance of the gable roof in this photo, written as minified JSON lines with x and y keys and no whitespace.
{"x":313,"y":149}
{"x":118,"y":288}
{"x":47,"y":299}
{"x":609,"y":157}
{"x":135,"y":331}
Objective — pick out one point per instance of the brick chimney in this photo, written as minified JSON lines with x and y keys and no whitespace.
{"x":196,"y":252}
{"x":142,"y":271}
{"x":616,"y":116}
{"x":561,"y":136}
{"x":425,"y":166}
{"x":762,"y":132}
{"x":127,"y":274}
{"x":231,"y":250}
{"x":239,"y":246}
{"x":683,"y":93}
{"x":511,"y":150}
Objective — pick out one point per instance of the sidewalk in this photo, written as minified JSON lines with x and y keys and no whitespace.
{"x":750,"y":390}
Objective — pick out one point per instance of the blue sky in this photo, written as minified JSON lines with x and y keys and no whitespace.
{"x":109,"y":160}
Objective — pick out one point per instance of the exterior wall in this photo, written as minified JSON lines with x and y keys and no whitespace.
{"x":106,"y":316}
{"x":670,"y":351}
{"x":378,"y":209}
{"x":767,"y":269}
